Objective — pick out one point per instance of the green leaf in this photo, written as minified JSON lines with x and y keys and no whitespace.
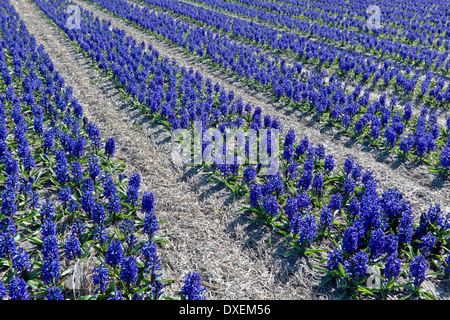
{"x":284,"y":233}
{"x":160,"y":239}
{"x":341,"y":270}
{"x":428,"y":294}
{"x":321,"y":269}
{"x":168,"y":280}
{"x":29,"y":216}
{"x":35,"y":240}
{"x":317,"y":250}
{"x":35,"y":284}
{"x":289,"y":253}
{"x":403,"y":285}
{"x":4,"y":262}
{"x":365,"y":290}
{"x":88,"y":297}
{"x":343,"y":295}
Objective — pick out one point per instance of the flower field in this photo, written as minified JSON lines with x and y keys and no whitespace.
{"x":224,"y":149}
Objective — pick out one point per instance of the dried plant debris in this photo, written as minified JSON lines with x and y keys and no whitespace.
{"x":97,"y":203}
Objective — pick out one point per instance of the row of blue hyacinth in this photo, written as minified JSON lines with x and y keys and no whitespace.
{"x":417,"y":20}
{"x":363,"y":68}
{"x":326,"y":50}
{"x":304,"y":204}
{"x":46,"y":143}
{"x":304,"y":19}
{"x":384,"y":125}
{"x":373,"y":229}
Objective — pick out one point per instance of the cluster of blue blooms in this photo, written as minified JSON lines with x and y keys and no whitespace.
{"x":377,"y":229}
{"x":44,"y":139}
{"x":299,"y":15}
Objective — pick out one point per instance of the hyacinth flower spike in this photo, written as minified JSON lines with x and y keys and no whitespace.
{"x":110,"y":150}
{"x":418,"y":272}
{"x":249,"y":175}
{"x":192,"y":288}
